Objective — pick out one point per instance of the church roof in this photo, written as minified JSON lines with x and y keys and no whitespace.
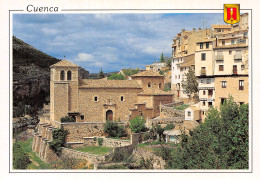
{"x":64,"y":63}
{"x":155,"y":92}
{"x":102,"y":83}
{"x":147,"y":74}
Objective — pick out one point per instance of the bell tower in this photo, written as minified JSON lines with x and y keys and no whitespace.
{"x":63,"y":90}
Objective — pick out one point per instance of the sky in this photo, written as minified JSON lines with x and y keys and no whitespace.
{"x":108,"y":41}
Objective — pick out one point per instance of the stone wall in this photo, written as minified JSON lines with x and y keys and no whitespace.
{"x":139,"y":153}
{"x":174,"y":120}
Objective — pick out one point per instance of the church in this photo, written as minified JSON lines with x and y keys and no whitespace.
{"x":99,"y":100}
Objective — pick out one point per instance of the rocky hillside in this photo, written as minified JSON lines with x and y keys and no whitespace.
{"x":31,"y":78}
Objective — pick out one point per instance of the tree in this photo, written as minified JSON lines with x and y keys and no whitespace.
{"x":113,"y":130}
{"x":137,"y":125}
{"x":58,"y":140}
{"x":169,"y":62}
{"x":162,"y":58}
{"x":129,"y":72}
{"x":219,"y":143}
{"x":101,"y":74}
{"x":117,"y":77}
{"x":190,"y":84}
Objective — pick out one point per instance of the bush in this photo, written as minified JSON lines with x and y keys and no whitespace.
{"x":117,"y":77}
{"x":129,"y":72}
{"x":67,"y":119}
{"x":167,"y":86}
{"x":58,"y":136}
{"x":114,"y":130}
{"x":100,"y":141}
{"x":137,"y":125}
{"x":169,"y":126}
{"x":20,"y":159}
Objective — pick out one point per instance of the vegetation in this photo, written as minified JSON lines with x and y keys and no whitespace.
{"x":190,"y":84}
{"x":181,"y":107}
{"x":146,"y":163}
{"x":162,"y":58}
{"x":137,"y":125}
{"x":98,"y":150}
{"x":113,"y":130}
{"x":67,"y":119}
{"x":100,"y":141}
{"x":161,"y":72}
{"x":58,"y":136}
{"x":20,"y":158}
{"x":36,"y":162}
{"x":169,"y":62}
{"x":130,"y":72}
{"x":169,"y":126}
{"x":101,"y":74}
{"x":71,"y":163}
{"x":219,"y":143}
{"x":114,"y":166}
{"x":167,"y":86}
{"x":117,"y":77}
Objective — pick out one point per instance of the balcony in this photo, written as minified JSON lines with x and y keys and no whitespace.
{"x":219,"y":57}
{"x":238,"y":56}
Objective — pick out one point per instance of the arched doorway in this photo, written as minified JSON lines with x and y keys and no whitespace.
{"x":109,"y":115}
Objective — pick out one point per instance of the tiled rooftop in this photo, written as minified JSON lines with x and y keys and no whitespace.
{"x":102,"y":83}
{"x":221,"y":26}
{"x":147,"y":74}
{"x":64,"y":63}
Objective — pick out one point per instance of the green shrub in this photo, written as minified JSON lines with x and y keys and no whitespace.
{"x":137,"y":125}
{"x":129,"y":72}
{"x":100,"y":141}
{"x":167,"y":86}
{"x":67,"y":119}
{"x":20,"y":159}
{"x":114,"y":130}
{"x":169,"y":126}
{"x":58,"y":136}
{"x":117,"y":77}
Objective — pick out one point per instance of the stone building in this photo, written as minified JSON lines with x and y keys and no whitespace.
{"x":88,"y":100}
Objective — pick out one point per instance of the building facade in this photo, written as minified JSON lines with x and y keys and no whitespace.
{"x":88,"y":100}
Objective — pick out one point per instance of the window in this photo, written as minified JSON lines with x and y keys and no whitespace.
{"x":82,"y":117}
{"x":149,"y":84}
{"x":224,"y":84}
{"x":223,"y":43}
{"x":207,"y":45}
{"x":218,"y":30}
{"x":203,"y":56}
{"x":201,"y":45}
{"x":189,"y":113}
{"x":160,"y":85}
{"x":69,"y":75}
{"x":232,"y":41}
{"x":210,"y":93}
{"x":179,"y":76}
{"x":210,"y":104}
{"x":62,"y":75}
{"x":122,"y":98}
{"x":242,"y":67}
{"x":208,"y":81}
{"x":241,"y":103}
{"x":203,"y":70}
{"x":241,"y":84}
{"x":202,"y":81}
{"x":204,"y":104}
{"x":204,"y":92}
{"x":95,"y":98}
{"x":221,"y":68}
{"x":230,"y":52}
{"x":223,"y":100}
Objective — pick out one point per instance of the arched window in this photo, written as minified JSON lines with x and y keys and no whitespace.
{"x":149,"y":84}
{"x":69,"y":75}
{"x":62,"y":75}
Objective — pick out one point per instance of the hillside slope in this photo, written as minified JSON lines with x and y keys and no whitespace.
{"x":31,"y":78}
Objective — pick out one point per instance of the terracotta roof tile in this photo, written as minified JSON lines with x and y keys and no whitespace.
{"x":64,"y":63}
{"x":147,"y":74}
{"x":102,"y":83}
{"x":221,"y":26}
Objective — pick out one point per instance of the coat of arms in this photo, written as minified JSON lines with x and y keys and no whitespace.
{"x":231,"y":13}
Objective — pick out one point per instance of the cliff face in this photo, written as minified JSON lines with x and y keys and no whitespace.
{"x":31,"y":78}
